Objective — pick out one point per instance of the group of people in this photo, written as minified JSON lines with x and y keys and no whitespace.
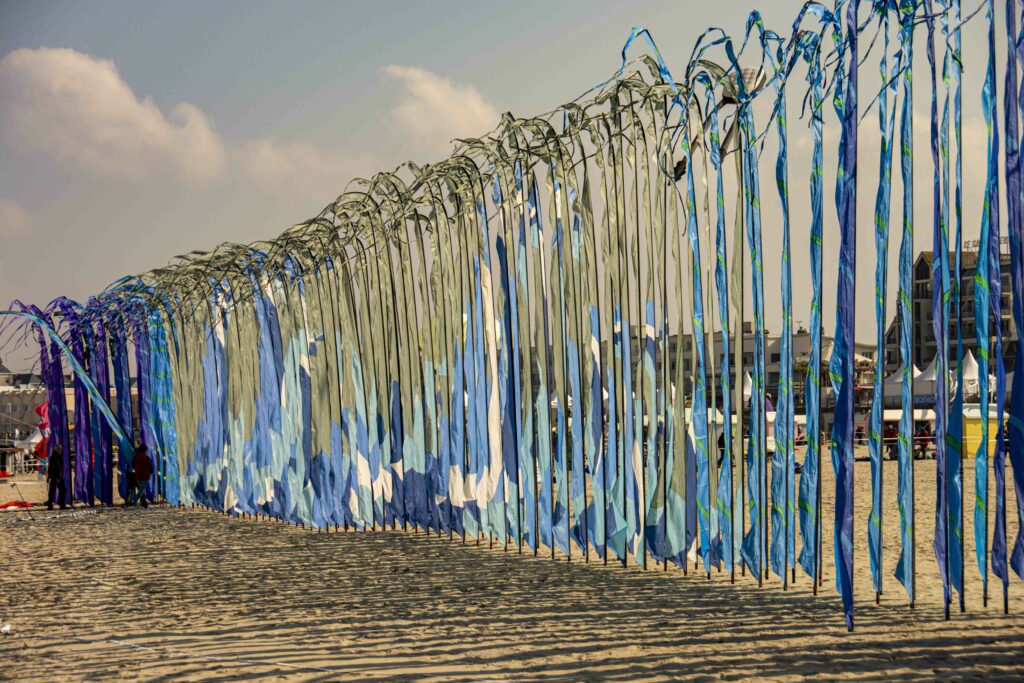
{"x":921,"y":444}
{"x":138,"y":472}
{"x":890,"y":440}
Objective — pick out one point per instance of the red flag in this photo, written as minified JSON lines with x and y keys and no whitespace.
{"x":43,"y":411}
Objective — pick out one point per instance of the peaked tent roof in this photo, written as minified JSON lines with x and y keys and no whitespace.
{"x":897,"y":377}
{"x":970,"y":367}
{"x":930,"y":374}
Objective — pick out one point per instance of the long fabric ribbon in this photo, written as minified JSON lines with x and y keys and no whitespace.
{"x":952,"y":70}
{"x":783,"y":493}
{"x":810,"y":476}
{"x":982,"y":301}
{"x":905,"y":565}
{"x":841,"y":363}
{"x":886,"y":123}
{"x":1015,"y":420}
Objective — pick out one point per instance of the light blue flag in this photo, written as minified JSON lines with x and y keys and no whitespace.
{"x":982,"y":302}
{"x":754,"y":542}
{"x":165,"y":421}
{"x":598,"y":509}
{"x":560,"y":382}
{"x":508,"y":396}
{"x":616,"y":524}
{"x":783,"y":486}
{"x":729,"y":516}
{"x":905,"y":566}
{"x":841,"y":363}
{"x":578,"y":424}
{"x":810,"y":523}
{"x":528,"y":474}
{"x":699,"y":414}
{"x":542,"y":398}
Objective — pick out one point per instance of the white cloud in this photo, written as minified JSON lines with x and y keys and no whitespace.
{"x":78,"y":109}
{"x":15,"y":221}
{"x":298,"y":169}
{"x":433,"y":110}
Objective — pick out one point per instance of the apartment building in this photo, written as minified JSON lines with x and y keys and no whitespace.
{"x":923,"y":335}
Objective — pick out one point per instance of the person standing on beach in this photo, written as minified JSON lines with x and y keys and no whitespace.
{"x":142,"y":470}
{"x":923,"y":439}
{"x":55,"y":478}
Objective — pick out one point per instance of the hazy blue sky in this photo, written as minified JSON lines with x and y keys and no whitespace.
{"x":134,"y":131}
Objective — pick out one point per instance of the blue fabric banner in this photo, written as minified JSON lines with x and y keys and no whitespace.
{"x":841,"y":363}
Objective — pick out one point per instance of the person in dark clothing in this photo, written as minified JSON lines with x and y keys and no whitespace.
{"x":142,"y":470}
{"x":891,"y":437}
{"x":923,"y":440}
{"x":55,"y":478}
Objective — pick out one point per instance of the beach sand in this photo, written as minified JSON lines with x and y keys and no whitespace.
{"x":175,"y":594}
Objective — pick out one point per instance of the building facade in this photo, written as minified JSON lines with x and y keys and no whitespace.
{"x":20,"y":393}
{"x":923,"y":342}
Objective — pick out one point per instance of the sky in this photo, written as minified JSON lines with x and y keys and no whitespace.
{"x":131,"y":132}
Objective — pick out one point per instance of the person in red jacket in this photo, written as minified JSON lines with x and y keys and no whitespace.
{"x":142,"y":470}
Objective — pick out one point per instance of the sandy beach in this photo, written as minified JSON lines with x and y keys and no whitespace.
{"x":176,"y":594}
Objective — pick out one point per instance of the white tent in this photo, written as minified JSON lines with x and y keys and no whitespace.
{"x":972,"y":376}
{"x":930,"y":373}
{"x":920,"y":415}
{"x":24,"y":458}
{"x":924,"y":384}
{"x":970,"y":368}
{"x":896,"y":378}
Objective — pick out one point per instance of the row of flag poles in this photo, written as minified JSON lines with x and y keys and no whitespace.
{"x":518,"y":344}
